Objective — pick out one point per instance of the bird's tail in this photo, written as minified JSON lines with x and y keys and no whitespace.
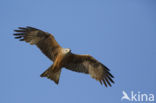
{"x":50,"y":74}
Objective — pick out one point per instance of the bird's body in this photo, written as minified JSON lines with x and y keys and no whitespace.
{"x":63,"y":57}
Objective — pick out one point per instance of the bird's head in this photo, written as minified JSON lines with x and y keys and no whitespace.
{"x":66,"y":50}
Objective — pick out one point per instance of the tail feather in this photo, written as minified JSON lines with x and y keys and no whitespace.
{"x":50,"y":74}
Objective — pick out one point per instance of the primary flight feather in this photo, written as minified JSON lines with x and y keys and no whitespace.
{"x":63,"y":57}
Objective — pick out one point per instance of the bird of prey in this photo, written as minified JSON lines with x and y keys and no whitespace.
{"x":63,"y":57}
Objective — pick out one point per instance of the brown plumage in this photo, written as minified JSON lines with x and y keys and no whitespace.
{"x":63,"y":57}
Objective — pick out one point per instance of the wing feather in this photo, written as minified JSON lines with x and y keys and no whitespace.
{"x":87,"y":64}
{"x":43,"y":40}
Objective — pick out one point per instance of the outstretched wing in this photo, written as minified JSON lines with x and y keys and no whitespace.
{"x":43,"y":40}
{"x":87,"y":64}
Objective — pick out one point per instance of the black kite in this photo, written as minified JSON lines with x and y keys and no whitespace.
{"x":63,"y":57}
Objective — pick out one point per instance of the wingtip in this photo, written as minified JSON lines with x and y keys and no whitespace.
{"x":104,"y":82}
{"x":21,"y":27}
{"x":100,"y":82}
{"x":21,"y":40}
{"x":17,"y":37}
{"x":43,"y":75}
{"x":30,"y":27}
{"x":56,"y":82}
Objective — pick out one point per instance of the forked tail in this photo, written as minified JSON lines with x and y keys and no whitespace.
{"x":50,"y":74}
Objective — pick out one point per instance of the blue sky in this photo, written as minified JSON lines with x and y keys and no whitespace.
{"x":119,"y":33}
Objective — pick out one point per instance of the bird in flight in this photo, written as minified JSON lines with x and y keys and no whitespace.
{"x":63,"y":57}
